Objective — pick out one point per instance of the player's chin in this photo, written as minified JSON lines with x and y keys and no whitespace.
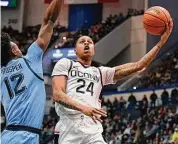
{"x":87,"y":56}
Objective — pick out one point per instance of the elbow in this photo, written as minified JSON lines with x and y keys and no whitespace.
{"x":139,"y":66}
{"x":57,"y":96}
{"x":54,"y":98}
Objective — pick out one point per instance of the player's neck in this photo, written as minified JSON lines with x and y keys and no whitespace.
{"x":84,"y":62}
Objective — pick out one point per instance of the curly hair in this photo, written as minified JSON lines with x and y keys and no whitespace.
{"x":5,"y":48}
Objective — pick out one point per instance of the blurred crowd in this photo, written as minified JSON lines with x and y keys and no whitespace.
{"x":99,"y":30}
{"x":164,"y":74}
{"x":29,"y":34}
{"x":47,"y":134}
{"x":142,"y":122}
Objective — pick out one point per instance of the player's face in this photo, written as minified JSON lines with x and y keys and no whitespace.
{"x":15,"y":50}
{"x":85,"y":48}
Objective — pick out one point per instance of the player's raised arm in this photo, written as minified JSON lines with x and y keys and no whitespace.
{"x":50,"y":16}
{"x":131,"y":68}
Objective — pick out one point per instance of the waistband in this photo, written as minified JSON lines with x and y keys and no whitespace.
{"x":23,"y":128}
{"x":70,"y":116}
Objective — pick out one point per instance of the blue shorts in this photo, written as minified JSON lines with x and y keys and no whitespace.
{"x":19,"y":137}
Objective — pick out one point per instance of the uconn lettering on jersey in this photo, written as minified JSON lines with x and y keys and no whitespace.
{"x":76,"y":73}
{"x":11,"y":68}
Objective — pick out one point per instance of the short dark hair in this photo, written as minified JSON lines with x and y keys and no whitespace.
{"x":5,"y":48}
{"x":76,"y":38}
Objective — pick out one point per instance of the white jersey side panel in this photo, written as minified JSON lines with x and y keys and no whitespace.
{"x":84,"y":84}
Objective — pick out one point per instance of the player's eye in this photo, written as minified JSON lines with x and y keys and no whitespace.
{"x":82,"y":41}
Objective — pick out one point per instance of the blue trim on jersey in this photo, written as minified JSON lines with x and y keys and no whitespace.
{"x":32,"y":70}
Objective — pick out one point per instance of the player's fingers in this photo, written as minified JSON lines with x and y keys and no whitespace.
{"x":98,"y":118}
{"x":94,"y":118}
{"x":171,"y":24}
{"x":100,"y":112}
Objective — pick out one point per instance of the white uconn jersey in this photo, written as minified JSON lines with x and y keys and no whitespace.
{"x":84,"y":83}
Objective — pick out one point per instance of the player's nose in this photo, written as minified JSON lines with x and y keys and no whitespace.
{"x":86,"y":43}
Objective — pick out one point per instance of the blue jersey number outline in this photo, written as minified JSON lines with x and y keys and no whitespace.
{"x":18,"y":89}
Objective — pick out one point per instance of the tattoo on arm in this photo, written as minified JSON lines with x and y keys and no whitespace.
{"x":119,"y":74}
{"x":132,"y":68}
{"x":147,"y":59}
{"x":67,"y":105}
{"x":66,"y":101}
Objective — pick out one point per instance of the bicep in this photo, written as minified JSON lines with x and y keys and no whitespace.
{"x":59,"y":83}
{"x":125,"y":66}
{"x":126,"y":70}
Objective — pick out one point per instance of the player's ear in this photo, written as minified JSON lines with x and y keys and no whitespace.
{"x":94,"y":51}
{"x":75,"y":51}
{"x":14,"y":49}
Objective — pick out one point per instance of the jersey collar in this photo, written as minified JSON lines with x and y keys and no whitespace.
{"x":85,"y":66}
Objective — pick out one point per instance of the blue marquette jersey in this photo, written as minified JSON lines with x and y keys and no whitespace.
{"x":23,"y":91}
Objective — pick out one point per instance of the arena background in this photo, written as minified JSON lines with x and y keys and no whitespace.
{"x":142,"y":108}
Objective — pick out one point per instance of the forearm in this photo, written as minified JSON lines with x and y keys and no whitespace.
{"x":131,"y":68}
{"x":61,"y":98}
{"x":46,"y":31}
{"x":52,"y":12}
{"x":148,"y":58}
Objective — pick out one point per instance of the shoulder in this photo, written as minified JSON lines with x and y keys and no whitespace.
{"x":35,"y":45}
{"x":64,"y":62}
{"x":104,"y":68}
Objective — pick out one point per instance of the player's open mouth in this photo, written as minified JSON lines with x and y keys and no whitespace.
{"x":87,"y":48}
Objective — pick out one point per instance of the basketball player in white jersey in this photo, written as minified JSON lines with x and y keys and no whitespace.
{"x":77,"y":86}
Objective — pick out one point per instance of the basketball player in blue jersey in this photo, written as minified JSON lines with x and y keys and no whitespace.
{"x":77,"y":86}
{"x":22,"y":86}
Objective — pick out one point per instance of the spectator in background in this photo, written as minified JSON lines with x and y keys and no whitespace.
{"x":145,"y":99}
{"x":174,"y":96}
{"x":132,"y":100}
{"x":115,"y":103}
{"x":175,"y":136}
{"x":122,"y":102}
{"x":165,"y":97}
{"x":144,"y":108}
{"x":153,"y":99}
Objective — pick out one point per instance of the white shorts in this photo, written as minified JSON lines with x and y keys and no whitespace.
{"x":79,"y":130}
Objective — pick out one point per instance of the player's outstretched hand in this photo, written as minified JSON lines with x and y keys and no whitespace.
{"x":94,"y":113}
{"x":167,"y":33}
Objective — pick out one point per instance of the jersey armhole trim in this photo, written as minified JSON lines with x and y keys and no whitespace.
{"x":101,"y":76}
{"x":32,"y":70}
{"x":59,"y":75}
{"x":71,"y":64}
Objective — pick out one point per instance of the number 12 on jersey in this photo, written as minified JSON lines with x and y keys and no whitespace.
{"x":18,"y":89}
{"x":89,"y":88}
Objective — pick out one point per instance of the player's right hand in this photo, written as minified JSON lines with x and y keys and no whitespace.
{"x":94,"y":113}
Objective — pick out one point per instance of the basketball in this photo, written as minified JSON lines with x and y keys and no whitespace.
{"x":155,"y":19}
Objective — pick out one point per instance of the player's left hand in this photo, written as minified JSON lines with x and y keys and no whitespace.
{"x":167,"y":33}
{"x":94,"y":113}
{"x":97,"y":117}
